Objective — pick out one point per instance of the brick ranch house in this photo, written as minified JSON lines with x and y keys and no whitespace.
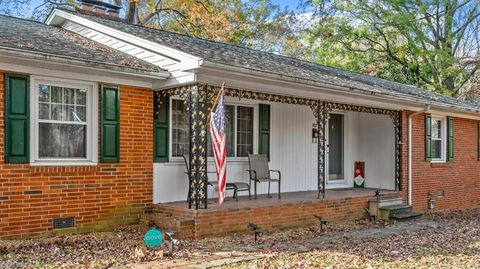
{"x":97,"y":114}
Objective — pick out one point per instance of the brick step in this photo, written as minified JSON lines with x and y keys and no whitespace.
{"x":181,"y":227}
{"x":405,"y":216}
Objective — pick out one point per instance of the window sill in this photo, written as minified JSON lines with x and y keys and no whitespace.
{"x":63,"y":163}
{"x":439,"y":164}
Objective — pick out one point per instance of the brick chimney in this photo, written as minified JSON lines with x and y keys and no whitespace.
{"x":99,"y":7}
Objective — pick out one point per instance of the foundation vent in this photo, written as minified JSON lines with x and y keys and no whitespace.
{"x":60,"y":223}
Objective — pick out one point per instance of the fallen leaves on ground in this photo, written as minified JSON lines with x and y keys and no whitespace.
{"x":455,"y":244}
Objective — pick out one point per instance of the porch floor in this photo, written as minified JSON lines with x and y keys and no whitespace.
{"x":286,"y":198}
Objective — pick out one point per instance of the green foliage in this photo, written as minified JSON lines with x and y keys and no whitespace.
{"x":432,"y":44}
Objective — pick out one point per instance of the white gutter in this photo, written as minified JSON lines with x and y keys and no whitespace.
{"x":410,"y":185}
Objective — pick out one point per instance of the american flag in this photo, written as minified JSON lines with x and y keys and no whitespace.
{"x":217,"y":131}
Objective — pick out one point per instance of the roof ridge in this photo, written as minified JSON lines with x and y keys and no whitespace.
{"x":24,"y":19}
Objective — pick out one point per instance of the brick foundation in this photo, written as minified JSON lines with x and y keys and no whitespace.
{"x":189,"y":223}
{"x":99,"y":196}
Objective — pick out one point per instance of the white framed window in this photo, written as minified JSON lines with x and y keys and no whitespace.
{"x":439,"y":139}
{"x":180,"y":128}
{"x":239,"y":130}
{"x":64,"y":122}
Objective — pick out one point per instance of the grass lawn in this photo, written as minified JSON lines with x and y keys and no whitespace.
{"x":441,"y":240}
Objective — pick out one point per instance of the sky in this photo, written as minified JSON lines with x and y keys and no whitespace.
{"x":289,"y":4}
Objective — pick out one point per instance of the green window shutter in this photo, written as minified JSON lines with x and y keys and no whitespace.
{"x":160,"y":131}
{"x":450,"y":138}
{"x":428,"y":138}
{"x":110,"y":99}
{"x":264,"y":130}
{"x":17,"y":118}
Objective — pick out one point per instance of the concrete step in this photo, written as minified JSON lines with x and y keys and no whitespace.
{"x":405,"y":216}
{"x":374,"y":205}
{"x":386,"y":212}
{"x":393,"y":209}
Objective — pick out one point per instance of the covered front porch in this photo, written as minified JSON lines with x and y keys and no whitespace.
{"x":295,"y":209}
{"x":313,"y":142}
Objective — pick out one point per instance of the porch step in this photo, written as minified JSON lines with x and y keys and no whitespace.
{"x":394,"y":209}
{"x":181,"y":227}
{"x":405,"y":216}
{"x":375,"y":204}
{"x":397,"y":212}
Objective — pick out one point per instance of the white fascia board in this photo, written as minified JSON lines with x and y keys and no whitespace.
{"x":178,"y":78}
{"x":340,"y":91}
{"x":65,"y":71}
{"x":186,"y":60}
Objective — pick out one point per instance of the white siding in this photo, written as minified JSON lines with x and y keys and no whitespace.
{"x":369,"y":138}
{"x":376,"y":147}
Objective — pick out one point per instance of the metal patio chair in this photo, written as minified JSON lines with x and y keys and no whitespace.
{"x":235,"y":186}
{"x":259,"y":172}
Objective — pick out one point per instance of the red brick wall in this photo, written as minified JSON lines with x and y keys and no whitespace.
{"x":223,"y":221}
{"x":98,"y":197}
{"x":459,"y":179}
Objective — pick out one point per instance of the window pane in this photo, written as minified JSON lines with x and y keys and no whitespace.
{"x":81,"y":97}
{"x":56,"y":94}
{"x":69,"y":96}
{"x":62,"y":140}
{"x":70,"y":113}
{"x":436,"y":129}
{"x":436,"y":149}
{"x":44,"y":111}
{"x":58,"y":112}
{"x":44,"y":93}
{"x":229,"y":131}
{"x":180,"y":129}
{"x":81,"y":112}
{"x":244,"y":131}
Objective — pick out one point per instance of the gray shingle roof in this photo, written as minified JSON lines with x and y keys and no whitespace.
{"x":30,"y":36}
{"x":231,"y":55}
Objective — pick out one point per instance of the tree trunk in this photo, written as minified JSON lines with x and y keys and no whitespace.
{"x":447,"y":46}
{"x":130,"y":16}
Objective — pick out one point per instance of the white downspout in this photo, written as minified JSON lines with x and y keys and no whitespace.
{"x":410,"y":187}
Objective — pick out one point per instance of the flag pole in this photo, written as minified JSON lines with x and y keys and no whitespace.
{"x":215,"y":102}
